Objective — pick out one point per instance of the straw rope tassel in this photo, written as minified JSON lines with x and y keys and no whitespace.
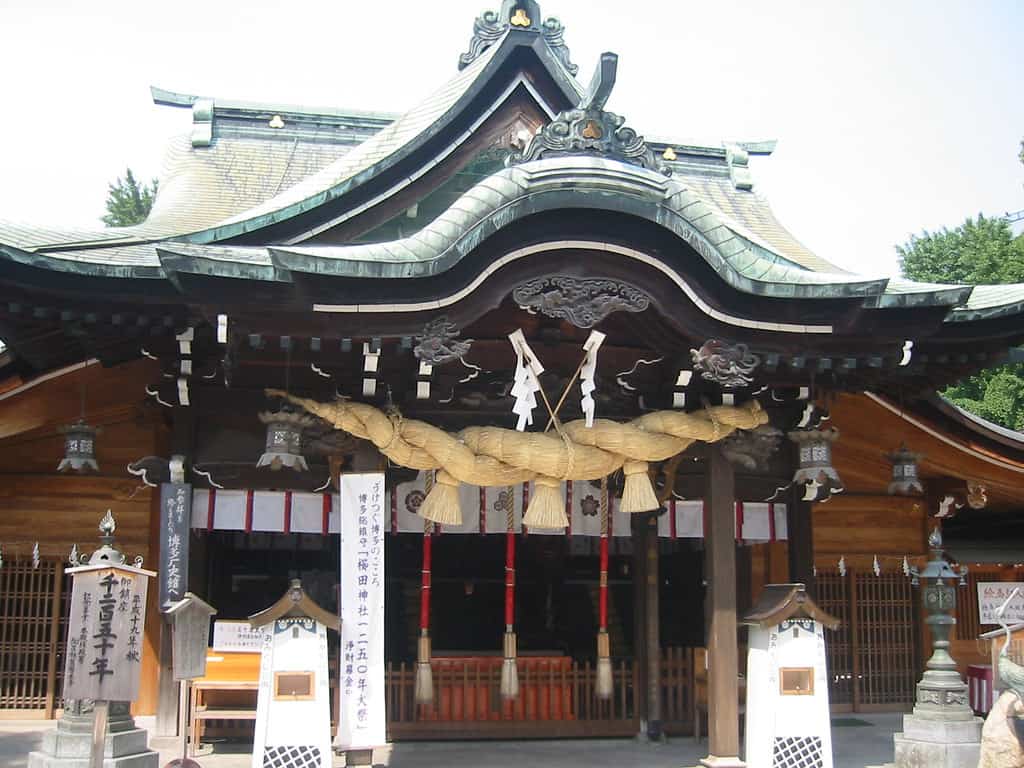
{"x":424,"y":686}
{"x":603,"y":688}
{"x":509,"y":667}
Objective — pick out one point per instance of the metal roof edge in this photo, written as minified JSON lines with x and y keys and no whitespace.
{"x":187,"y":262}
{"x":943,"y":297}
{"x":1000,"y":434}
{"x":165,"y":98}
{"x":91,"y":269}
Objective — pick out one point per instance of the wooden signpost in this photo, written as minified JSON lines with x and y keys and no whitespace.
{"x":190,"y":630}
{"x":105,"y":632}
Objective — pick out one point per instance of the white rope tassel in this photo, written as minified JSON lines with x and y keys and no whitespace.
{"x":587,"y":385}
{"x":525,"y":384}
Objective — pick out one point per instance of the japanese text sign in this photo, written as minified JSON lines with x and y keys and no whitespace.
{"x":363,"y":503}
{"x":105,"y":633}
{"x":175,"y":518}
{"x":236,"y":637}
{"x":992,"y":594}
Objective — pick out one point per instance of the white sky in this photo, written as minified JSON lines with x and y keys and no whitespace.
{"x":892,"y":117}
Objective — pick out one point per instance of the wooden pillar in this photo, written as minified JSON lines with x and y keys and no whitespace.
{"x":652,"y":627}
{"x":638,"y":531}
{"x":800,"y":531}
{"x":723,"y":668}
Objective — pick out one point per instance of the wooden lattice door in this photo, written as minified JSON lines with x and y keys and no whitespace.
{"x":874,"y":657}
{"x":31,"y":611}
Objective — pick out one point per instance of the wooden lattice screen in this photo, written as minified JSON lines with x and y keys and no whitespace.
{"x":31,"y":613}
{"x":833,"y":596}
{"x":874,"y":658}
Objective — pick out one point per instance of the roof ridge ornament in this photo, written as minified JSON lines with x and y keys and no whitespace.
{"x":490,"y":26}
{"x":590,"y":130}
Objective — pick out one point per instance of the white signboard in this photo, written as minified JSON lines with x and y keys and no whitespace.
{"x":992,"y":594}
{"x":236,"y":637}
{"x":105,"y":633}
{"x":363,"y":503}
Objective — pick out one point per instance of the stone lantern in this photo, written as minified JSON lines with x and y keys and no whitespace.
{"x":942,"y":731}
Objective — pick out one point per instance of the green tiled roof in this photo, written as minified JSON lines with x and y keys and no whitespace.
{"x":244,"y":176}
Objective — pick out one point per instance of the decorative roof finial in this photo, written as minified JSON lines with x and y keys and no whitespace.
{"x":108,"y":524}
{"x":590,"y":130}
{"x":489,"y":27}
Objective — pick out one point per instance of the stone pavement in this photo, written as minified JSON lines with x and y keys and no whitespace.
{"x":859,"y":741}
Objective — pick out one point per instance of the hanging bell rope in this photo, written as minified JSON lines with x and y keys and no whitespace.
{"x":603,"y":686}
{"x":423,"y":688}
{"x":494,"y":456}
{"x":509,"y":666}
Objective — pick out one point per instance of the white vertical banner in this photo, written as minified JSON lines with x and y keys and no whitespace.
{"x":364,"y":505}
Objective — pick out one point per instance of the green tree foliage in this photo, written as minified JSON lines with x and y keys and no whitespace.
{"x":982,"y":251}
{"x":127,"y":202}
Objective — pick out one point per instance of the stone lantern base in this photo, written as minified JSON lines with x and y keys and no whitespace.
{"x":69,"y":745}
{"x":942,"y":732}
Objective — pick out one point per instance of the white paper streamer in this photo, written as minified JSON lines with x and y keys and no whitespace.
{"x":587,"y":386}
{"x":525,"y":384}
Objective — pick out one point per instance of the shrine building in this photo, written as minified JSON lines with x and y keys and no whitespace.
{"x":704,"y":406}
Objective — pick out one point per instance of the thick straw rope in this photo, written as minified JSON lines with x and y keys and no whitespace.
{"x":494,"y":456}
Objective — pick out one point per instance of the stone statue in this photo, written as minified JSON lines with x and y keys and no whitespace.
{"x":1001,"y":743}
{"x":1000,"y":736}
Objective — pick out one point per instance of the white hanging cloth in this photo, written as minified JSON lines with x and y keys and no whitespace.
{"x":587,"y":386}
{"x":525,"y":384}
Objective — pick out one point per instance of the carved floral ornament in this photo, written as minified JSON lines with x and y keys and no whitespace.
{"x":752,"y":450}
{"x":590,"y":130}
{"x":584,"y":302}
{"x":490,"y":26}
{"x":728,"y":365}
{"x":438,"y":343}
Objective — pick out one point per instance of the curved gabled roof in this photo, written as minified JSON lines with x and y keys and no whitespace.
{"x":239,"y":183}
{"x":233,"y":186}
{"x":745,"y":261}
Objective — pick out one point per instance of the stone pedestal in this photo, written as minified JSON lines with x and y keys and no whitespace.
{"x":943,"y":731}
{"x":70,"y":743}
{"x":927,"y":743}
{"x":713,"y":761}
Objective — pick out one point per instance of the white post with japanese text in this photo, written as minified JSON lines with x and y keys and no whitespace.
{"x":362,"y":718}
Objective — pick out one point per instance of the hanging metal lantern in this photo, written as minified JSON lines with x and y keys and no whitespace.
{"x":284,"y":440}
{"x":905,"y":480}
{"x":815,"y":471}
{"x":79,"y":448}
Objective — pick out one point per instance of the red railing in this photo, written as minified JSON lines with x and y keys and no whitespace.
{"x":556,"y":699}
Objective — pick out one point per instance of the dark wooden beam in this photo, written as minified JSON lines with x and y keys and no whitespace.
{"x":800,"y":532}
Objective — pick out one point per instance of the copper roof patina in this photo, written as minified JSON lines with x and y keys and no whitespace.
{"x":249,"y":167}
